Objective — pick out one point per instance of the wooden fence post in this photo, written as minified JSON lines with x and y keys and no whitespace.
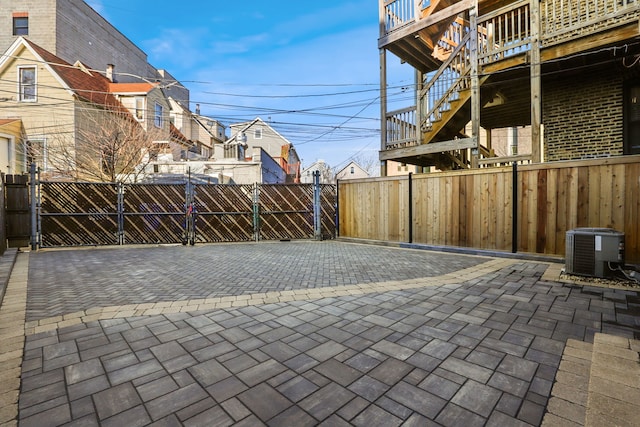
{"x":410,"y":208}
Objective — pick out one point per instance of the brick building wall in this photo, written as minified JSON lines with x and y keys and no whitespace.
{"x":583,"y":115}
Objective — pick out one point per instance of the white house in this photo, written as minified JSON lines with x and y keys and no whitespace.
{"x":352,"y":171}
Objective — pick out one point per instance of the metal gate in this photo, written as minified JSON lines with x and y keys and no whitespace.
{"x":224,"y":213}
{"x":153,"y":213}
{"x":79,"y":214}
{"x":16,"y":210}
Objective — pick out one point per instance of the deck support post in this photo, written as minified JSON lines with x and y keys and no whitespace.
{"x":536,"y":83}
{"x":475,"y":84}
{"x":420,"y":110}
{"x":383,"y":108}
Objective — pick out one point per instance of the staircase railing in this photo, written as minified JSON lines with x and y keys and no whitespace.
{"x":445,"y":84}
{"x":451,"y":38}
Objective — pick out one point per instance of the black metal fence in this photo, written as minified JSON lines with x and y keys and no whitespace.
{"x":80,"y":214}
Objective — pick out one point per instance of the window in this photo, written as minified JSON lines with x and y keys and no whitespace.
{"x":20,"y":25}
{"x":353,"y":170}
{"x":139,"y":108}
{"x":27,"y":84}
{"x":632,"y":118}
{"x":157,"y":119}
{"x":257,"y":133}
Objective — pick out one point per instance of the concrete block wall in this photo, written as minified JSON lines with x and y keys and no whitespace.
{"x":72,"y":30}
{"x":583,"y":115}
{"x":84,"y":34}
{"x":42,"y":22}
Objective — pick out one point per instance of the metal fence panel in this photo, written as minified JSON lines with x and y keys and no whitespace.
{"x":153,"y":213}
{"x":328,"y":208}
{"x":77,"y":214}
{"x":286,"y":211}
{"x":225,"y":213}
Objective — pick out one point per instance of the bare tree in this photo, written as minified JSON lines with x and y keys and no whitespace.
{"x":107,"y":145}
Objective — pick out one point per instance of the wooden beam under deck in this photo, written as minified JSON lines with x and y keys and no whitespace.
{"x":590,"y":42}
{"x":431,"y":148}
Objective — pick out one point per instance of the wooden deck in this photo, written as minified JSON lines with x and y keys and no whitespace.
{"x":506,"y":49}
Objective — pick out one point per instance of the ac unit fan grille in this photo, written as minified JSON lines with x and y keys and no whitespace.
{"x":584,"y":254}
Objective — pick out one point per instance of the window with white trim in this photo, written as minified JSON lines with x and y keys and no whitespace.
{"x":257,"y":133}
{"x":27,"y":84}
{"x":139,"y":112}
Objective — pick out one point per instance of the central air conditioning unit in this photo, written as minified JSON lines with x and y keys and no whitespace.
{"x":595,"y":252}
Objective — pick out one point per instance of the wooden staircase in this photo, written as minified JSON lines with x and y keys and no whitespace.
{"x":446,"y":96}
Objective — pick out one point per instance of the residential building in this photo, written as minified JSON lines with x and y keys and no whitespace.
{"x":559,"y":78}
{"x":74,"y":118}
{"x":259,"y":168}
{"x":12,"y":147}
{"x":326,"y":174}
{"x":257,"y":133}
{"x":352,"y":171}
{"x":204,"y":133}
{"x":73,"y":31}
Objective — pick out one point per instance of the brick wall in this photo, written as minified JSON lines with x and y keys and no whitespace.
{"x":583,"y":115}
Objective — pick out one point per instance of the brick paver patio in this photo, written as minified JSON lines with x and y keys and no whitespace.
{"x":295,"y":334}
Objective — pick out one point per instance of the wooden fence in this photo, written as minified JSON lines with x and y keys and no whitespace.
{"x":476,"y":209}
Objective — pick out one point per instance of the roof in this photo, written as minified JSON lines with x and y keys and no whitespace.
{"x":85,"y":84}
{"x":177,"y":135}
{"x":132,"y":87}
{"x":246,"y":125}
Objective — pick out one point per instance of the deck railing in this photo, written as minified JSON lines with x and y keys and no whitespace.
{"x":398,"y":13}
{"x":504,"y":33}
{"x":401,"y":128}
{"x":566,"y":19}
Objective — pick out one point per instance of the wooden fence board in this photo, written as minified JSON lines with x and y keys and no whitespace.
{"x":557,"y":191}
{"x":617,"y":202}
{"x":632,"y":211}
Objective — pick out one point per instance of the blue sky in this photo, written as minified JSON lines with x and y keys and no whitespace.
{"x":310,"y":68}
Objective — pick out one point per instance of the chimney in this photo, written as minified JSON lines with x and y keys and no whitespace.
{"x":198,"y":109}
{"x":109,"y":73}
